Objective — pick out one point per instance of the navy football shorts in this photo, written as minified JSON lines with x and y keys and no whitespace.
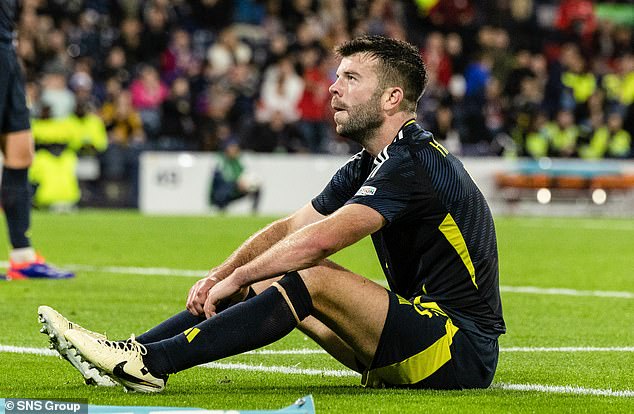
{"x":420,"y":347}
{"x":14,"y":114}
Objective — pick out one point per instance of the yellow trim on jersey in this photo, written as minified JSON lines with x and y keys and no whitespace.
{"x":417,"y":367}
{"x":411,"y":121}
{"x":439,"y":147}
{"x":451,"y":231}
{"x":191,"y":333}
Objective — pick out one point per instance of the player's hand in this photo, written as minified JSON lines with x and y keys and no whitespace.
{"x":198,"y":294}
{"x":224,"y":291}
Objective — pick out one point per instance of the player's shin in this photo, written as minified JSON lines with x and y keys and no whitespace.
{"x":249,"y":325}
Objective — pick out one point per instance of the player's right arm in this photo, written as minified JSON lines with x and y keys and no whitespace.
{"x":249,"y":250}
{"x":341,"y":187}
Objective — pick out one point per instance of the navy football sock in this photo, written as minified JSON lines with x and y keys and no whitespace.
{"x":170,"y":327}
{"x":15,"y":196}
{"x":177,"y":324}
{"x":246,"y":326}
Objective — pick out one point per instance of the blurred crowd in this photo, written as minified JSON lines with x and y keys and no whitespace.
{"x":507,"y":77}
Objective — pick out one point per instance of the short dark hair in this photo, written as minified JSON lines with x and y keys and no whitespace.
{"x":399,"y":63}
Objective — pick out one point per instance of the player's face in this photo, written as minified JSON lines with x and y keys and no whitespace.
{"x":356,"y":98}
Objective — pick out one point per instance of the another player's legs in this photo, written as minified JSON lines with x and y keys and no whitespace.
{"x":340,"y":299}
{"x":15,"y":195}
{"x":55,"y":326}
{"x":17,"y":147}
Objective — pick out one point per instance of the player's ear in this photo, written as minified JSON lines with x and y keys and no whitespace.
{"x":393,"y":96}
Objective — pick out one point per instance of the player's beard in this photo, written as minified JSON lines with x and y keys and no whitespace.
{"x":363,"y":120}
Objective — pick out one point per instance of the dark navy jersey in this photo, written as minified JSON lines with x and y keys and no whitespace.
{"x":439,"y":241}
{"x":8,"y":11}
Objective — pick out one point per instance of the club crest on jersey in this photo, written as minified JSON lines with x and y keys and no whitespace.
{"x":366,"y":190}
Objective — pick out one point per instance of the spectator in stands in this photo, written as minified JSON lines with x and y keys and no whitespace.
{"x":155,"y":32}
{"x":275,"y":135}
{"x":576,"y":20}
{"x":87,"y":36}
{"x":568,"y":65}
{"x":178,"y":131}
{"x":126,"y":140}
{"x":444,"y":129}
{"x":281,"y":91}
{"x":314,"y":104}
{"x":90,"y":141}
{"x":477,"y":75}
{"x":494,"y":42}
{"x":89,"y":131}
{"x":521,"y":69}
{"x":533,"y":141}
{"x":148,"y":93}
{"x":178,"y":59}
{"x":437,"y":61}
{"x":217,"y":106}
{"x":81,"y":83}
{"x":54,"y":53}
{"x":56,"y":94}
{"x":619,"y":141}
{"x":494,"y":112}
{"x":619,"y":85}
{"x":579,"y":85}
{"x":523,"y":115}
{"x":562,"y":135}
{"x":129,"y":40}
{"x":116,"y":66}
{"x":243,"y":81}
{"x":226,"y":52}
{"x":52,"y":172}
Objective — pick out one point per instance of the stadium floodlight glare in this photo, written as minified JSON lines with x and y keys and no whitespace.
{"x":599,"y":196}
{"x":544,"y":196}
{"x":185,"y":160}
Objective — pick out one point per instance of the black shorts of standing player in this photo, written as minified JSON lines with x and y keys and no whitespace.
{"x":14,"y":114}
{"x":420,"y":347}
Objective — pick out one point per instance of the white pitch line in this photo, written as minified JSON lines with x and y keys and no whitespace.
{"x":26,"y":350}
{"x":282,"y":369}
{"x":131,"y":270}
{"x":553,"y":389}
{"x":569,"y":349}
{"x":307,"y":351}
{"x":587,"y":225}
{"x":164,"y":271}
{"x":564,"y":389}
{"x":566,"y":292}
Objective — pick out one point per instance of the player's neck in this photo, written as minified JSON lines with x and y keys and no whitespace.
{"x":386,"y":133}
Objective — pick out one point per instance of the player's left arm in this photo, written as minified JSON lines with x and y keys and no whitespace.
{"x":301,"y":249}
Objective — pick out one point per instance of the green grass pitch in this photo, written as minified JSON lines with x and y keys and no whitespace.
{"x":588,"y":329}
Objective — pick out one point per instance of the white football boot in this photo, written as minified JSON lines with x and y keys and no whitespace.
{"x":55,"y":326}
{"x":121,"y":360}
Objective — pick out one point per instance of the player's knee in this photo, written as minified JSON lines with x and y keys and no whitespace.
{"x":313,"y":280}
{"x":297,"y":295}
{"x":19,"y":162}
{"x":18,"y":150}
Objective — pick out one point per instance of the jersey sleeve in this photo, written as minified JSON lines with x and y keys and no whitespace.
{"x":343,"y":185}
{"x":389,"y":187}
